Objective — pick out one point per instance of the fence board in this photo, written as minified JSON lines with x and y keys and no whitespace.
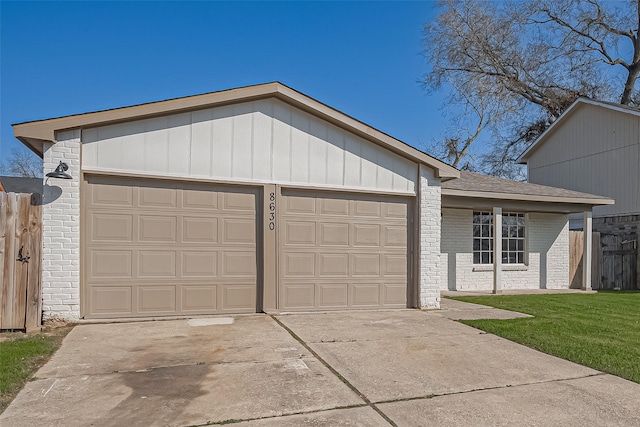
{"x":20,"y":268}
{"x":8,"y":282}
{"x":576,"y":245}
{"x":34,"y":283}
{"x":20,"y":293}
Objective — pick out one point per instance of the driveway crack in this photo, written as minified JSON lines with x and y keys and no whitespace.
{"x":335,"y":372}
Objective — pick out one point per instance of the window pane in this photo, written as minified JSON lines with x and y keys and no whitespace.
{"x":476,"y":217}
{"x":476,"y":244}
{"x":486,"y":230}
{"x":487,"y":218}
{"x":505,"y":230}
{"x":491,"y":245}
{"x":505,"y":243}
{"x":521,"y":245}
{"x":521,"y":231}
{"x":505,"y":257}
{"x":520,"y":258}
{"x":476,"y":257}
{"x":512,"y":258}
{"x":513,"y":245}
{"x":476,"y":231}
{"x":485,"y":244}
{"x":485,"y":257}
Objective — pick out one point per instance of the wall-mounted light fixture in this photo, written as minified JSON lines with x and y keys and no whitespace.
{"x":60,"y":172}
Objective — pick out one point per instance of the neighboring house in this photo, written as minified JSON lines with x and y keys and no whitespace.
{"x":18,"y":184}
{"x":264,"y":199}
{"x":594,"y":147}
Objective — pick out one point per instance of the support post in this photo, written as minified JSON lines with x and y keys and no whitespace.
{"x":497,"y":250}
{"x":586,"y":251}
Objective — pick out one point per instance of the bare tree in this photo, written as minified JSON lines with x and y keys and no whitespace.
{"x":527,"y":62}
{"x":22,"y":163}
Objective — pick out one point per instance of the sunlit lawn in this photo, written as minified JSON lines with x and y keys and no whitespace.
{"x":21,"y":356}
{"x":600,"y":330}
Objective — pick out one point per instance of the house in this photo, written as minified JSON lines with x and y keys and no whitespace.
{"x":264,"y":199}
{"x":18,"y":184}
{"x":594,"y":147}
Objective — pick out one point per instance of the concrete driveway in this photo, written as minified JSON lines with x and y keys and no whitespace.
{"x":372,"y":368}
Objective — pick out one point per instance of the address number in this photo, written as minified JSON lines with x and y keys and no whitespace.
{"x":272,"y":211}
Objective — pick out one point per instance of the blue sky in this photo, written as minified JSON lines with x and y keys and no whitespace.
{"x":363,"y":58}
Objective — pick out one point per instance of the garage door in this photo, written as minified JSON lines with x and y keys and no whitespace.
{"x":158,"y":248}
{"x":342,"y":251}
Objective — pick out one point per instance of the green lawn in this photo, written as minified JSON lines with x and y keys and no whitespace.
{"x":21,"y":356}
{"x":600,"y":330}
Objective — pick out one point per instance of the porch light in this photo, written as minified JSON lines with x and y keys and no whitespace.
{"x":60,"y":172}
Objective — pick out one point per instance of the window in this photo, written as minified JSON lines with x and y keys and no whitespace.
{"x":513,"y":237}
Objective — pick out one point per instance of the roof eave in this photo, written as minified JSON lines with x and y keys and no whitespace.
{"x":35,"y":133}
{"x":528,"y":197}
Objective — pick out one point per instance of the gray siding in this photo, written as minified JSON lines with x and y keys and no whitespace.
{"x":596,"y":150}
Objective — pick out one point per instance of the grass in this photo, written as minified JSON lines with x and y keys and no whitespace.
{"x":20,"y":357}
{"x":600,"y":330}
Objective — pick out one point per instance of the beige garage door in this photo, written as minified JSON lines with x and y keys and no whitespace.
{"x":342,"y":251}
{"x":158,"y":248}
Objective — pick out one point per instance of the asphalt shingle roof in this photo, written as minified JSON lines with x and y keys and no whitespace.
{"x":469,"y":181}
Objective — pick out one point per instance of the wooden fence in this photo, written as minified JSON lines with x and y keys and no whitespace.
{"x":20,"y":261}
{"x":576,"y":245}
{"x":615,"y":260}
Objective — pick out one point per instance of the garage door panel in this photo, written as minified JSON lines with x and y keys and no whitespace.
{"x":158,"y":197}
{"x":366,"y":264}
{"x":112,"y":228}
{"x":334,"y":295}
{"x":299,"y":205}
{"x":298,"y":295}
{"x":157,"y":299}
{"x":395,"y":210}
{"x":394,"y":265}
{"x":156,"y":263}
{"x":334,"y":234}
{"x":199,"y":298}
{"x":299,"y":264}
{"x":110,"y":264}
{"x":239,"y":202}
{"x":111,"y":300}
{"x":165,"y":248}
{"x":366,"y":294}
{"x":239,"y":264}
{"x":334,"y":207}
{"x":333,"y":264}
{"x":300,"y":233}
{"x":200,"y":199}
{"x":112,"y":195}
{"x":368,"y":208}
{"x":366,"y":235}
{"x":155,"y":228}
{"x":199,"y":264}
{"x":394,"y":294}
{"x":395,"y":236}
{"x":239,"y":297}
{"x":342,"y":251}
{"x":199,"y":230}
{"x":237,"y":230}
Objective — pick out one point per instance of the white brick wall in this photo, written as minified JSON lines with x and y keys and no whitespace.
{"x":61,"y":230}
{"x":548,"y":247}
{"x":430,"y":197}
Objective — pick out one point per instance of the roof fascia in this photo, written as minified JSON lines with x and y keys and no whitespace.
{"x":527,"y":197}
{"x":34,"y":134}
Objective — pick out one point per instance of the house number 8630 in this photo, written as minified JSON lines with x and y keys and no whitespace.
{"x":272,"y":211}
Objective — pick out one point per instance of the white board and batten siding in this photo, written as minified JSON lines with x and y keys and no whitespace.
{"x":597,"y":151}
{"x":255,"y":142}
